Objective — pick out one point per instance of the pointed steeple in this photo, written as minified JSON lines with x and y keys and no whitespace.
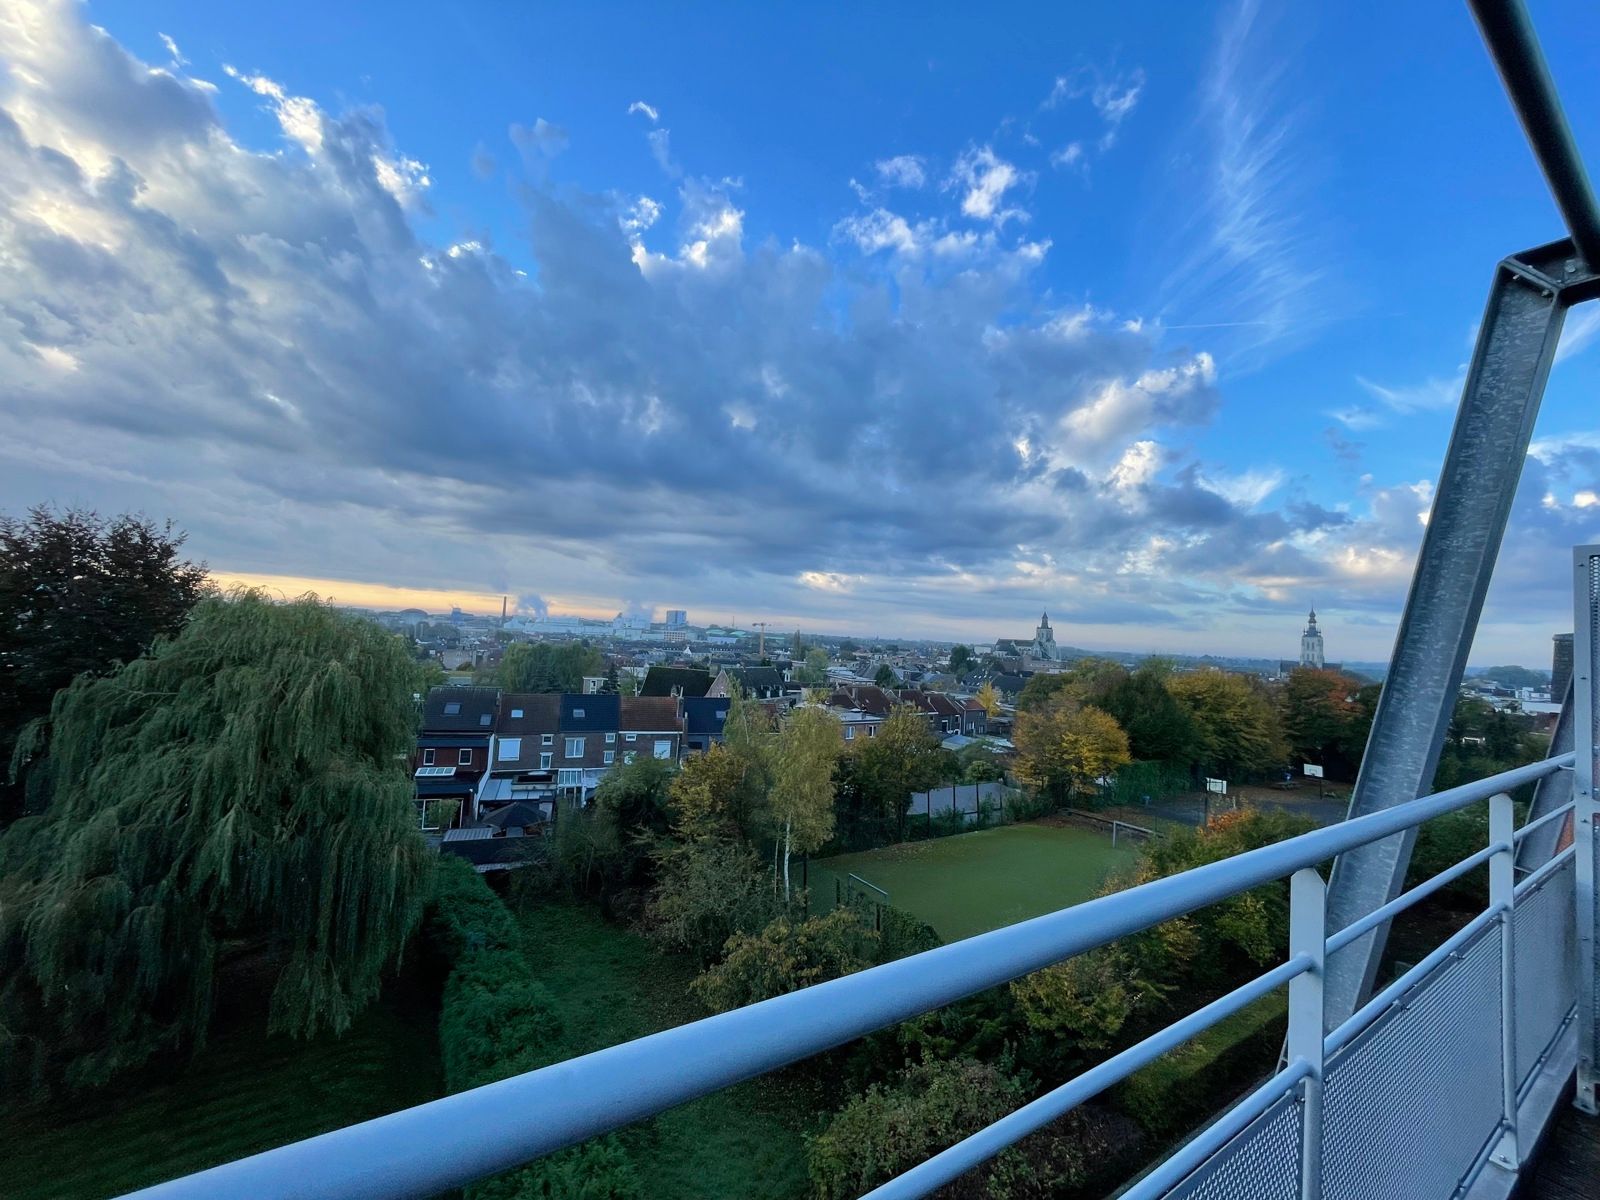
{"x":1044,"y":621}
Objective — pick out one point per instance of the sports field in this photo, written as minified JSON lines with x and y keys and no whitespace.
{"x":974,"y":882}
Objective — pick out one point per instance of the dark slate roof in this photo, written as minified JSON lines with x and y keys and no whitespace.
{"x":452,"y":741}
{"x":650,"y":714}
{"x":761,"y":682}
{"x":1009,"y":685}
{"x":599,"y":713}
{"x":871,"y":698}
{"x":455,"y":785}
{"x":920,"y":701}
{"x":470,"y":705}
{"x":541,"y":713}
{"x":704,"y":715}
{"x":688,"y":681}
{"x":943,"y":704}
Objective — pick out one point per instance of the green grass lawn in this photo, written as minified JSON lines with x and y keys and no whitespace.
{"x":974,"y":882}
{"x":611,"y":985}
{"x":244,"y":1093}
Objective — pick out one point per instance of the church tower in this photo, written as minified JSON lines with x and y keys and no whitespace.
{"x":1311,"y":644}
{"x":1044,"y":639}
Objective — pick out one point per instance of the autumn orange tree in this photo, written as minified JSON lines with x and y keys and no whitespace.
{"x":1064,"y":746}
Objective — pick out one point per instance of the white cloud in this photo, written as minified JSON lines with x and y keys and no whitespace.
{"x":1069,"y":155}
{"x":541,"y":138}
{"x":903,"y":170}
{"x":661,"y":150}
{"x":1582,"y":326}
{"x":172,"y":48}
{"x":1246,"y":489}
{"x":649,"y":110}
{"x":986,"y":178}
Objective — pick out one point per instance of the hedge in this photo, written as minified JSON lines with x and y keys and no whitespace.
{"x":497,"y":1020}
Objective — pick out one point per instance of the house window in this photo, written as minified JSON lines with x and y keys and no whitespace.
{"x":544,"y":762}
{"x":574,"y":747}
{"x":486,"y":720}
{"x":611,"y":739}
{"x":722,"y":714}
{"x":849,"y":733}
{"x":577,"y":714}
{"x":569,"y":778}
{"x":516,"y":714}
{"x":464,"y":758}
{"x":664,"y":748}
{"x":611,"y":757}
{"x":548,"y":739}
{"x":630,"y":737}
{"x":510,"y":749}
{"x":453,"y":709}
{"x":427,"y":758}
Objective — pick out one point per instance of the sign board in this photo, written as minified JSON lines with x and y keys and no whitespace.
{"x":1217,"y":785}
{"x":1313,"y":771}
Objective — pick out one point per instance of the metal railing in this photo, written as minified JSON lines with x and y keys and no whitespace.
{"x":454,"y":1140}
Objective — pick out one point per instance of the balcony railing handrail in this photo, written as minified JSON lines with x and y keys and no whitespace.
{"x":454,"y":1140}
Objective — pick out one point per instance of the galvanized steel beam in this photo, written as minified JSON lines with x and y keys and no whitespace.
{"x":1549,"y":794}
{"x":1508,"y":32}
{"x":1510,"y":363}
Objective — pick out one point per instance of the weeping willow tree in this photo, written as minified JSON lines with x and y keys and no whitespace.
{"x":241,"y":787}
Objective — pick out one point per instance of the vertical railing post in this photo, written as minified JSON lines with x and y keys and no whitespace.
{"x":1502,"y":896}
{"x":1308,"y":935}
{"x":1585,"y":649}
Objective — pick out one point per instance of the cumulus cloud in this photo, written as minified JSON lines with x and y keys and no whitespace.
{"x":262,"y":342}
{"x":984,"y":178}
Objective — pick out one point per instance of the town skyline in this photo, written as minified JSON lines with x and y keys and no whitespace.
{"x":1107,"y":324}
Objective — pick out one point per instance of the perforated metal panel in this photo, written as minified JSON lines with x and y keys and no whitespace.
{"x":1546,"y":969}
{"x":1261,"y":1163}
{"x":1593,"y":647}
{"x":1410,"y":1104}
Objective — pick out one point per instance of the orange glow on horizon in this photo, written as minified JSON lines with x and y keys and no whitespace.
{"x":386,"y":597}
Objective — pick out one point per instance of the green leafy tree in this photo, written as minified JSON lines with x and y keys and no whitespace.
{"x":79,"y":593}
{"x":880,"y":773}
{"x":1241,"y":736}
{"x":814,"y":668}
{"x":705,"y":795}
{"x":548,"y":666}
{"x":748,"y":733}
{"x":633,"y":799}
{"x":785,"y":956}
{"x":807,"y":749}
{"x":1085,"y":1001}
{"x":961,"y":659}
{"x":885,"y":677}
{"x":1158,"y":727}
{"x":243,"y":782}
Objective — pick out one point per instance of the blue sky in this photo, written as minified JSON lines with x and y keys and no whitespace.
{"x":888,"y":321}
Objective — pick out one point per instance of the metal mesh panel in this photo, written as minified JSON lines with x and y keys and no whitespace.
{"x":1409,"y":1105}
{"x":1261,"y":1163}
{"x":1546,"y":969}
{"x":1594,"y":709}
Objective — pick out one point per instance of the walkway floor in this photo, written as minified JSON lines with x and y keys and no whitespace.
{"x":1568,"y":1167}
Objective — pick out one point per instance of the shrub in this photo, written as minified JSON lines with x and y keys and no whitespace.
{"x":786,"y":956}
{"x":889,"y":1129}
{"x":597,"y":1170}
{"x":706,"y":892}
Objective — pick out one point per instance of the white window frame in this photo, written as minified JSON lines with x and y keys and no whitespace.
{"x":427,"y":757}
{"x":850,"y":733}
{"x":611,"y":739}
{"x":630,"y":737}
{"x":464,"y":758}
{"x":663,"y":749}
{"x":509,"y":749}
{"x":610,"y":757}
{"x":569,"y":777}
{"x":547,"y":739}
{"x":544,"y":762}
{"x":570,"y":752}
